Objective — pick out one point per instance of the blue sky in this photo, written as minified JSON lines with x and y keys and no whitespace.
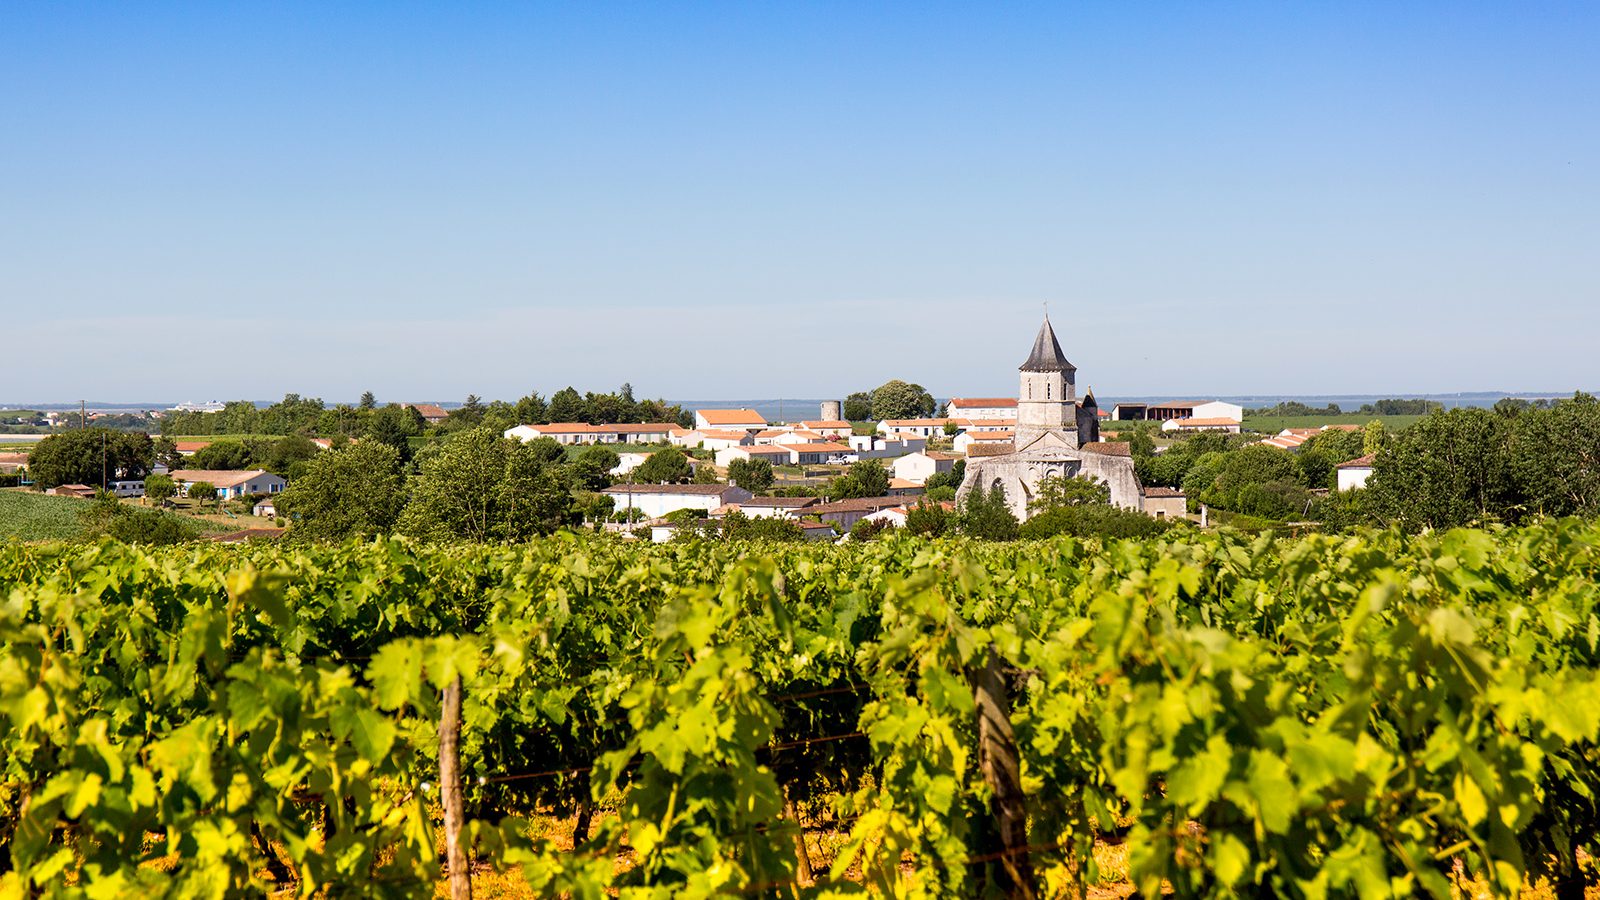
{"x":229,"y":200}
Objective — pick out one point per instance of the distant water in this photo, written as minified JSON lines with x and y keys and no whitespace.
{"x":796,"y":410}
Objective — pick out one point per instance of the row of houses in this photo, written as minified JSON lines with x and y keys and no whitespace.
{"x":230,"y":484}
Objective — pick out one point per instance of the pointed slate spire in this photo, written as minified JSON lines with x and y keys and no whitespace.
{"x":1047,"y":355}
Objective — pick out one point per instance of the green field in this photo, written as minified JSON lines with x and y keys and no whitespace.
{"x":1275,"y":424}
{"x":27,"y":516}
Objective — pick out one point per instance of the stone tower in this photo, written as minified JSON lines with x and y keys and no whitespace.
{"x":1047,"y":399}
{"x":832,"y":410}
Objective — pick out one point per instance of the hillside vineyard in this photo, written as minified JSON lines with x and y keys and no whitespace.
{"x":1328,"y":716}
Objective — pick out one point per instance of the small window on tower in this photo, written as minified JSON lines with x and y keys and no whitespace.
{"x":1047,"y":390}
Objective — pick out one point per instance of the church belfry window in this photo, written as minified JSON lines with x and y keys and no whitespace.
{"x":1047,"y":390}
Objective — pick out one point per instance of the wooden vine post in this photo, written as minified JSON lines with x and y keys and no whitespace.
{"x":997,"y":757}
{"x":450,"y":791}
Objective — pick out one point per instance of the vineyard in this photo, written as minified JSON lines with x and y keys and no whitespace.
{"x":1377,"y":715}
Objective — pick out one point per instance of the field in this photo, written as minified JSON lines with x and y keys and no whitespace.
{"x":1275,"y":424}
{"x":1207,"y":714}
{"x":28,"y":516}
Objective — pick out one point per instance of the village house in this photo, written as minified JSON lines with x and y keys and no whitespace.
{"x":899,"y":487}
{"x":12,"y":463}
{"x":896,"y":516}
{"x":584,"y":433}
{"x":816,"y":454}
{"x":81,"y":491}
{"x":1228,"y":426}
{"x":430,"y":413}
{"x":1354,"y":474}
{"x":830,"y":428}
{"x":873,"y":446}
{"x":1165,"y":503}
{"x":983,"y":408}
{"x":230,"y":483}
{"x":266,"y":508}
{"x":770,"y":507}
{"x":847,"y":513}
{"x":656,"y":500}
{"x":966,"y":440}
{"x":778,"y":456}
{"x":912,"y":427}
{"x":920,"y":466}
{"x":1194,"y":409}
{"x":729,"y":419}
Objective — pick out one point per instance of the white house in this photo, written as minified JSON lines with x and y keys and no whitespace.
{"x":627,"y":462}
{"x":1197,"y":423}
{"x":584,"y":433}
{"x":915,"y":427}
{"x":729,"y":419}
{"x":920,"y":466}
{"x":656,"y":500}
{"x":983,"y":408}
{"x":966,"y":440}
{"x":266,"y":507}
{"x":831,"y":428}
{"x":228,"y":482}
{"x":778,"y":456}
{"x":816,"y":454}
{"x":1195,"y":409}
{"x":872,"y":446}
{"x":770,"y":507}
{"x":1354,"y":474}
{"x":715,"y":439}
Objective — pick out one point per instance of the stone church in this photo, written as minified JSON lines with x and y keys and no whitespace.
{"x":1056,"y":435}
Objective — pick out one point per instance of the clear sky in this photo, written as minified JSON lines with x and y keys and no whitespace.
{"x":218,"y":200}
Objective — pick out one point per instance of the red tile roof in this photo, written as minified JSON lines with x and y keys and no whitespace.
{"x":981,"y":402}
{"x":1360,"y":462}
{"x":731,"y":416}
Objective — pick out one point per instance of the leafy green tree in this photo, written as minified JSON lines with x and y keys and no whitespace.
{"x":898,"y":399}
{"x":106,"y":517}
{"x":1373,"y":438}
{"x":1056,"y":491}
{"x":858,"y":407}
{"x":395,"y":426}
{"x":1449,"y":469}
{"x":869,"y":529}
{"x":233,"y":455}
{"x":165,"y":452}
{"x":202,"y":491}
{"x":368,"y":401}
{"x":865,"y":478}
{"x":754,"y":475}
{"x":547,"y":450}
{"x":81,"y":456}
{"x":288,"y":456}
{"x":566,"y":405}
{"x":668,"y":465}
{"x":530,"y":410}
{"x":1554,"y":457}
{"x":592,"y":469}
{"x":480,"y":486}
{"x":929,"y":518}
{"x":1256,"y":464}
{"x":159,"y":488}
{"x":1201,"y":475}
{"x":354,"y":492}
{"x":939,"y":494}
{"x":985,"y":514}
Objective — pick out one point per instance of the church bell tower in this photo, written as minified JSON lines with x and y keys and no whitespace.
{"x":1047,"y":399}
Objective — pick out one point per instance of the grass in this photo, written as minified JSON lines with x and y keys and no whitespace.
{"x":1275,"y":424}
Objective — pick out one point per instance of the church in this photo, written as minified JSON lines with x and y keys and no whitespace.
{"x":1056,"y":435}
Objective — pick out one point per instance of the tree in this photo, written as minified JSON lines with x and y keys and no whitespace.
{"x":1373,"y":437}
{"x":866,"y":478}
{"x":592,"y":469}
{"x":754,"y":475}
{"x":108,"y":518}
{"x":736,"y":526}
{"x":530,"y":410}
{"x":84,"y":455}
{"x":368,"y":401}
{"x":395,"y":426}
{"x":928,"y":518}
{"x":898,"y":399}
{"x":566,"y":405}
{"x":858,"y":407}
{"x":1092,"y":520}
{"x":232,"y":455}
{"x":165,"y":452}
{"x":1554,"y":457}
{"x":288,"y":456}
{"x":1449,"y":469}
{"x":1055,"y":491}
{"x":354,"y":492}
{"x":202,"y":491}
{"x":668,"y":465}
{"x":951,"y":479}
{"x":985,"y":514}
{"x":159,"y":488}
{"x":480,"y":486}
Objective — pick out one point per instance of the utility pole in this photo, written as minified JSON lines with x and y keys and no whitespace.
{"x":102,"y":460}
{"x":83,"y":415}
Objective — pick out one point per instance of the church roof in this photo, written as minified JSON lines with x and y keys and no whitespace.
{"x":1047,"y":355}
